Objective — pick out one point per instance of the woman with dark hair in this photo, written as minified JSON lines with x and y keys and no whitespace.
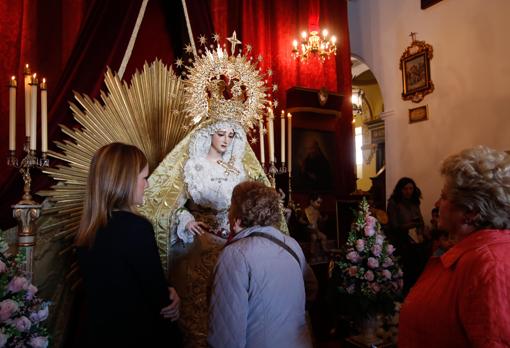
{"x":258,"y":295}
{"x":127,"y":294}
{"x":462,"y":299}
{"x":405,"y":224}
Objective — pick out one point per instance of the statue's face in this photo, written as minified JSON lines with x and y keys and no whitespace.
{"x":221,"y":139}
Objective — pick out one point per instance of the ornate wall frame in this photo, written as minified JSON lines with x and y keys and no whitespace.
{"x":415,"y":66}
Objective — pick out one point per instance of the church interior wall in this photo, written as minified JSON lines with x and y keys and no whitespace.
{"x":470,"y":70}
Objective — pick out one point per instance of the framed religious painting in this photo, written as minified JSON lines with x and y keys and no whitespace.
{"x":415,"y":66}
{"x":313,"y":161}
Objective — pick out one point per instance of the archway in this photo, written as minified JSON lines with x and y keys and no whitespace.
{"x":369,"y":131}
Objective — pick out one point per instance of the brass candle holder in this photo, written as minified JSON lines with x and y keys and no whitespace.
{"x":27,"y":211}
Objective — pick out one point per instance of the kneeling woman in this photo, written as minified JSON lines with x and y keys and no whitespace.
{"x":126,"y":290}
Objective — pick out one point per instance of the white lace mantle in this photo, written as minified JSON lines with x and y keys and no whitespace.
{"x":209,"y":185}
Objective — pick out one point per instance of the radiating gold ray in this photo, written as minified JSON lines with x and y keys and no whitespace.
{"x":148,"y":113}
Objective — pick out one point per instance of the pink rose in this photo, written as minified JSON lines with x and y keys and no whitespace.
{"x":372,"y":262}
{"x":3,"y":267}
{"x":353,"y":270}
{"x":387,"y":262}
{"x":390,"y":249}
{"x":369,"y":275}
{"x":39,"y":342}
{"x":7,"y":308}
{"x":17,"y":284}
{"x":22,"y":323}
{"x":353,"y":257}
{"x":350,"y":289}
{"x":369,"y":231}
{"x":31,"y":291}
{"x":379,"y":239}
{"x":370,"y":220}
{"x":376,"y":250}
{"x":360,"y":245}
{"x":386,"y":274}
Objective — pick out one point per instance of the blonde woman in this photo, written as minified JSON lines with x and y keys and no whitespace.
{"x":127,"y":294}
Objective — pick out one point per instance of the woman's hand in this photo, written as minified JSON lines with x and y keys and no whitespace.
{"x":197,"y":227}
{"x":172,"y":310}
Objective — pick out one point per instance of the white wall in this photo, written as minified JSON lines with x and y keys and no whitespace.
{"x":470,"y":70}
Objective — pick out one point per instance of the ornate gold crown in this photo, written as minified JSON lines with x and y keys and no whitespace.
{"x":225,"y":87}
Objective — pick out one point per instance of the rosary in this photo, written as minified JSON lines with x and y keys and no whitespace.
{"x":229,"y":166}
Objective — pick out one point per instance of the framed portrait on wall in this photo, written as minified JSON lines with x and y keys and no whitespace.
{"x":415,"y":66}
{"x":313,"y":160}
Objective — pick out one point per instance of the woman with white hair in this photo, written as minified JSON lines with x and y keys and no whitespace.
{"x":462,"y":299}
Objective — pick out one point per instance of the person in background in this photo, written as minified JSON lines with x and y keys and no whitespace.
{"x":406,"y":229}
{"x":462,"y":298}
{"x":312,"y":217}
{"x":258,"y":293}
{"x":127,"y":294}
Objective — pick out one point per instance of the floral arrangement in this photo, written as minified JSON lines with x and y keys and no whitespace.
{"x":366,"y":276}
{"x":21,"y":311}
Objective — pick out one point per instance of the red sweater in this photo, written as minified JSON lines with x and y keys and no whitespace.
{"x":462,"y":299}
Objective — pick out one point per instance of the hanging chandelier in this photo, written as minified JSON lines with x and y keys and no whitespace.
{"x":314,"y":45}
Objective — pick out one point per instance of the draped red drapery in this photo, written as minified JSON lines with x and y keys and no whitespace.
{"x":72,"y":42}
{"x":68,"y":42}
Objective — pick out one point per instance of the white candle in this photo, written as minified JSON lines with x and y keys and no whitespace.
{"x":261,"y":141}
{"x":12,"y":114}
{"x":270,"y":134}
{"x":33,"y":116}
{"x":282,"y":140}
{"x":44,"y":116}
{"x":289,"y":141}
{"x":27,"y":81}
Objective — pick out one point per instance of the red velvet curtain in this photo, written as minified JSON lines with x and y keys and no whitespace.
{"x":68,"y":42}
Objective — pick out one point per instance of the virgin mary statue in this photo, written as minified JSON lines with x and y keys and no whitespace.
{"x":189,"y":192}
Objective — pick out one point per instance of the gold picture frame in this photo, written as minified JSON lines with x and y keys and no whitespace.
{"x":421,"y":113}
{"x":415,"y":66}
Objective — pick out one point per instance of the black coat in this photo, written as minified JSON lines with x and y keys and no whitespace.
{"x":125,"y":285}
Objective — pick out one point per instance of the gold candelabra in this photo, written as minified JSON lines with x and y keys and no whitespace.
{"x":272,"y":170}
{"x":27,"y":211}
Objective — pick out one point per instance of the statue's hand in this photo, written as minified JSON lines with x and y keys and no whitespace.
{"x":197,"y":227}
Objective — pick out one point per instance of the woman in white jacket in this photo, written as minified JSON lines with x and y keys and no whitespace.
{"x":258,"y":295}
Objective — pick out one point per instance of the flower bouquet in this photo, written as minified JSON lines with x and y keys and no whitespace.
{"x":366,"y":277}
{"x":21,"y":311}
